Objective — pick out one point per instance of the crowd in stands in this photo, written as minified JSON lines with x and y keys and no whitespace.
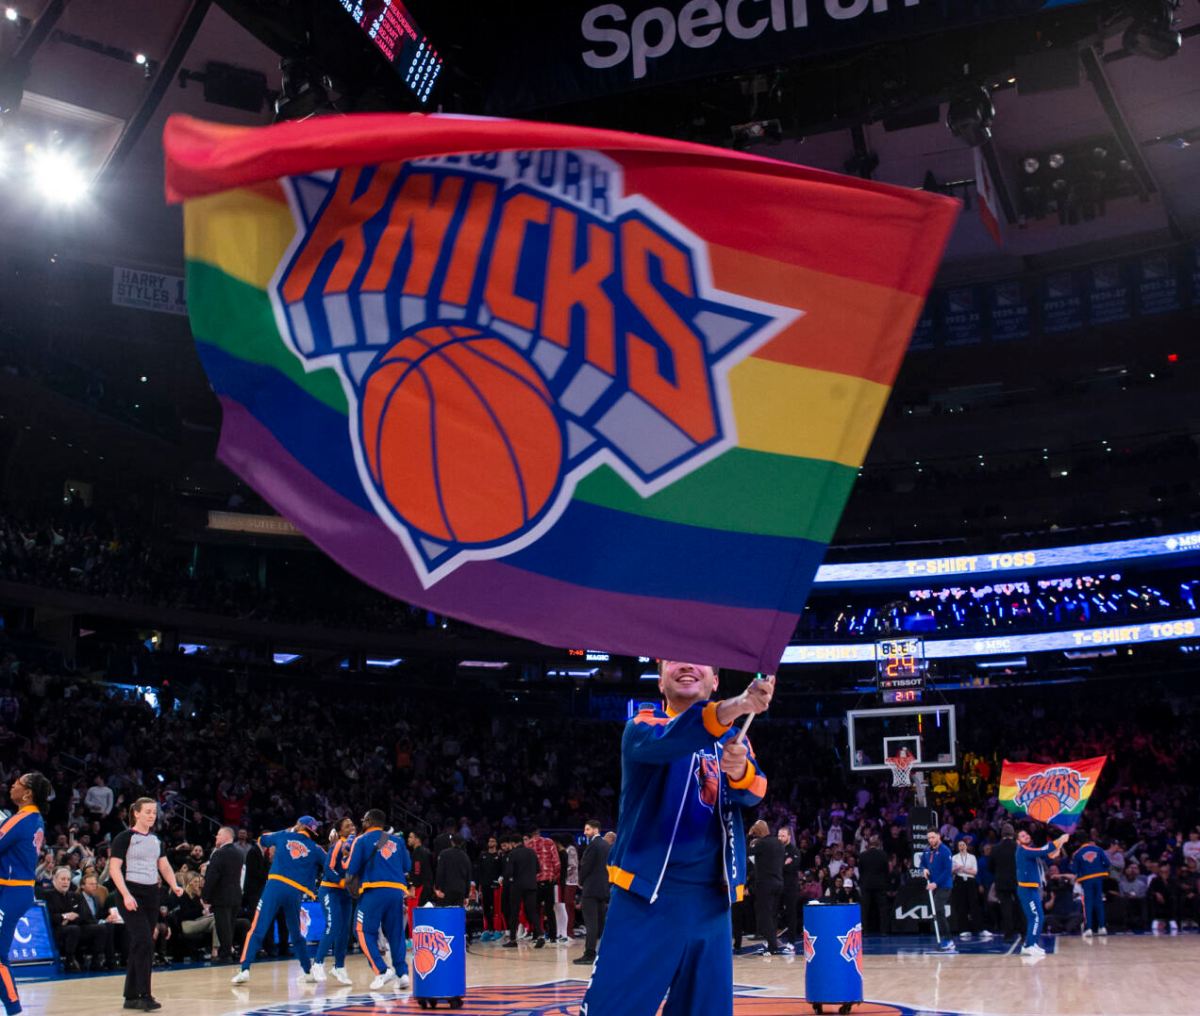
{"x":256,"y":759}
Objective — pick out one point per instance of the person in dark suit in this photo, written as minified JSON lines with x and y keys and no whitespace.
{"x":791,"y":885}
{"x":594,"y":887}
{"x":521,"y":871}
{"x":1004,"y":869}
{"x":95,"y":914}
{"x":873,"y":877}
{"x":453,"y":879}
{"x":420,"y":880}
{"x":767,"y":852}
{"x":223,"y":890}
{"x":75,"y":931}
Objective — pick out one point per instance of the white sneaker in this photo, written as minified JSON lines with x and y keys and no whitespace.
{"x":339,"y":974}
{"x":384,"y":979}
{"x":1174,"y":927}
{"x":241,"y":977}
{"x":403,"y":983}
{"x":1087,"y":932}
{"x":308,"y":976}
{"x":563,"y":940}
{"x":986,"y":936}
{"x":1032,"y":950}
{"x":1102,"y":932}
{"x":965,"y":937}
{"x":318,"y":971}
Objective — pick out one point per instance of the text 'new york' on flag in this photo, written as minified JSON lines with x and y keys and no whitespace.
{"x":585,"y":387}
{"x":1051,"y":792}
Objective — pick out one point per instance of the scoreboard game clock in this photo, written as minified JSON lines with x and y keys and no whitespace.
{"x":900,"y":670}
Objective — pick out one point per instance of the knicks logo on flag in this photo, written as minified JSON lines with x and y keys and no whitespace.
{"x":810,"y":947}
{"x":297,"y":849}
{"x":1045,"y":794}
{"x":503,"y":324}
{"x":708,"y":780}
{"x":430,"y":947}
{"x":852,"y":946}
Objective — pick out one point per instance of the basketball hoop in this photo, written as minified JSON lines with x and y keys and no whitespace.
{"x":901,"y":767}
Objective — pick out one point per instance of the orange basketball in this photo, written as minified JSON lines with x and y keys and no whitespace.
{"x":424,"y":961}
{"x":1044,"y":807}
{"x":460,"y":435}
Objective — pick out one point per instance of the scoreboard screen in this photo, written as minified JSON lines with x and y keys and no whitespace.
{"x":900,"y":664}
{"x":389,"y":25}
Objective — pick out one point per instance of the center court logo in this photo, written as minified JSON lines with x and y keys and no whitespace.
{"x":504,"y":324}
{"x":430,"y":947}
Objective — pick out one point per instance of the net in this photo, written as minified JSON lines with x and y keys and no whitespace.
{"x":901,"y":767}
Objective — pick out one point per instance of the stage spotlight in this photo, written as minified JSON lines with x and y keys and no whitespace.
{"x":140,"y":59}
{"x":970,"y":114}
{"x":58,"y":178}
{"x":1031,"y":165}
{"x":1056,"y":160}
{"x":11,"y":14}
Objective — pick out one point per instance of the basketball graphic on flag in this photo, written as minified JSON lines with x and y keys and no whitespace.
{"x":1043,"y":808}
{"x":460,"y":435}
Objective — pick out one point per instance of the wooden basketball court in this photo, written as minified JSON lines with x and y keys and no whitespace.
{"x":1119,"y":976}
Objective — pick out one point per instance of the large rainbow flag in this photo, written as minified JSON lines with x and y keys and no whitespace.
{"x":1050,"y":792}
{"x":585,"y":387}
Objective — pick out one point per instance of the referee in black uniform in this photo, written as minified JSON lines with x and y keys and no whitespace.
{"x":136,"y":859}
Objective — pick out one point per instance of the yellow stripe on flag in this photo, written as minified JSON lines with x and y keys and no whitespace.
{"x":240,"y":232}
{"x":815,"y":414}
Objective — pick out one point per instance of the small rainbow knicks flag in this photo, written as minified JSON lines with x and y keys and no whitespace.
{"x":1050,"y":792}
{"x":584,"y":387}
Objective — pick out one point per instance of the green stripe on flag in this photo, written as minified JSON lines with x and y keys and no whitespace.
{"x":238,"y":319}
{"x":742,"y":491}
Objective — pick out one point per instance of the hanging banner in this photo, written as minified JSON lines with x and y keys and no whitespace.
{"x":962,"y":316}
{"x":1010,"y":311}
{"x":1158,"y":290}
{"x":140,"y":290}
{"x":1110,"y":298}
{"x":584,"y":387}
{"x":1051,"y":792}
{"x":1061,"y":304}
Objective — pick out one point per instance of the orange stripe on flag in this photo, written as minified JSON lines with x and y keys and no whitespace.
{"x":849,"y":327}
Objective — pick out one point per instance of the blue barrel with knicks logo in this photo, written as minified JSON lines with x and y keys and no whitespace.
{"x":439,"y":952}
{"x":833,"y":952}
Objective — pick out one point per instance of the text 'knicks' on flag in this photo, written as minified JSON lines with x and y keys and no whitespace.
{"x":1050,"y":792}
{"x":585,"y":387}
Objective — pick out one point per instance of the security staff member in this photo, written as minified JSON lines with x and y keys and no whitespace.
{"x":223,"y":889}
{"x":295,"y":870}
{"x":593,"y":883}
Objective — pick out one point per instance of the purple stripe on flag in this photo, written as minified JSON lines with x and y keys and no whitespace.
{"x":494,"y":594}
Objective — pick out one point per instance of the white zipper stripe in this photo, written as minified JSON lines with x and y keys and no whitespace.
{"x":687,"y":785}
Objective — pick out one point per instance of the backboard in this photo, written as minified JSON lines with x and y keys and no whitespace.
{"x":928,"y":732}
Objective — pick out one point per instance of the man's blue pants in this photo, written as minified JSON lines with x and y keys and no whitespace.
{"x":339,"y":910}
{"x":276,"y":897}
{"x":680,"y":946}
{"x":386,"y":908}
{"x":1093,"y":904}
{"x":1035,"y":916}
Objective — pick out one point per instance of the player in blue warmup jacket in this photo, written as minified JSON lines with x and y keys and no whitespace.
{"x":1031,"y":876}
{"x":295,"y":870}
{"x":1091,"y":866}
{"x":380,"y":861}
{"x":939,"y":875}
{"x":679,"y":860}
{"x":336,"y":904}
{"x":20,"y":843}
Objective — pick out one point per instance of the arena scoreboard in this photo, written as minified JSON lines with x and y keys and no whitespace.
{"x":900,"y":669}
{"x":390,"y":26}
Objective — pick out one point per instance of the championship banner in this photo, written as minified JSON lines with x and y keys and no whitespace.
{"x":584,"y":387}
{"x":1051,"y":792}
